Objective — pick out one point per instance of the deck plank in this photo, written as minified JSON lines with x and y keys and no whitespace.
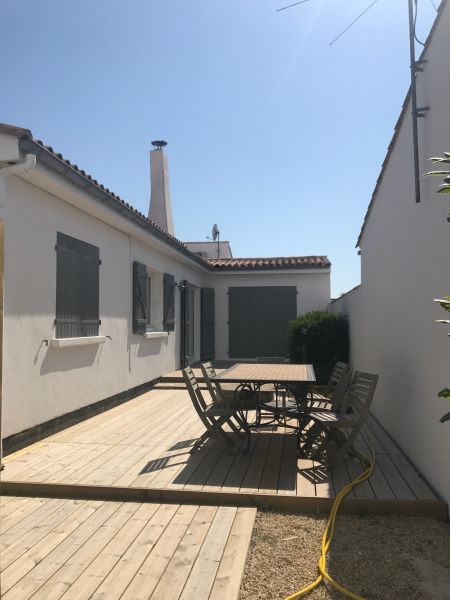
{"x":176,"y":574}
{"x":201,"y":578}
{"x":271,"y":472}
{"x":71,"y":569}
{"x":130,"y":563}
{"x":16,"y":577}
{"x":252,"y":479}
{"x":94,"y":575}
{"x":30,"y":531}
{"x":306,"y":478}
{"x":152,"y":568}
{"x":229,"y":574}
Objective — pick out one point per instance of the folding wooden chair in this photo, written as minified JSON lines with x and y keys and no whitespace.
{"x":327,"y":397}
{"x":331,"y":395}
{"x":215,"y":415}
{"x":246,"y":398}
{"x":217,"y":393}
{"x":329,"y":425}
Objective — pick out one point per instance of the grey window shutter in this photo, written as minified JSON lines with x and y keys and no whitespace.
{"x":169,"y":302}
{"x":140,"y":317}
{"x":207,"y":327}
{"x":90,"y":290}
{"x":77,"y":287}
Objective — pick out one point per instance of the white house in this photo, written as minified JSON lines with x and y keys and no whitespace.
{"x":99,"y":301}
{"x":405,"y":263}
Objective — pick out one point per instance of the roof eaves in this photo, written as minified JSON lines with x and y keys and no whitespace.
{"x":13,"y":130}
{"x":398,"y":125}
{"x":79,"y":177}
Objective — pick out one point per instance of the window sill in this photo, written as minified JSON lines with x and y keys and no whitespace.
{"x":77,"y":341}
{"x":148,"y":335}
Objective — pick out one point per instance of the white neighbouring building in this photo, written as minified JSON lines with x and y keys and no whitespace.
{"x":405,"y":264}
{"x":99,"y":301}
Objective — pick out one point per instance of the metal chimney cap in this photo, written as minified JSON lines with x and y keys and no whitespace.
{"x":159,"y":144}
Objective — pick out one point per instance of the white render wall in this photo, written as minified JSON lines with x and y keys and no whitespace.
{"x":313,"y":287}
{"x":209,"y":249}
{"x":40,"y":382}
{"x":405,"y":263}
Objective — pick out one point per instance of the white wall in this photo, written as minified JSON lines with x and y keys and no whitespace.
{"x":350,"y":304}
{"x":405,"y":263}
{"x":313,"y":287}
{"x":209,"y":249}
{"x":42,"y":382}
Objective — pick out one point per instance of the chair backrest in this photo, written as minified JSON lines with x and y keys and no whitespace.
{"x":339,"y":371}
{"x":338,"y":384}
{"x":214,"y":390}
{"x":359,"y":395}
{"x":195,"y":393}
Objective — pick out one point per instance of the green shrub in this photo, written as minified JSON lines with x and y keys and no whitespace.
{"x":320,"y":338}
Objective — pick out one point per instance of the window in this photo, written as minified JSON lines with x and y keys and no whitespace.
{"x":169,"y":302}
{"x":141,"y":298}
{"x":77,"y":288}
{"x":153,"y":300}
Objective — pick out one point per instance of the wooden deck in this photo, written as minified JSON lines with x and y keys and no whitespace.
{"x":53,"y":548}
{"x":139,"y":451}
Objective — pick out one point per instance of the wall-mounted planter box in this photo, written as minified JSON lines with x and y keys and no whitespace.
{"x":77,"y":341}
{"x":155,"y":334}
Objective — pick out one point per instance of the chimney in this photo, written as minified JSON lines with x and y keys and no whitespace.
{"x":160,"y":211}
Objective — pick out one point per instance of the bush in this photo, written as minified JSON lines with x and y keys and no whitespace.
{"x":320,"y":338}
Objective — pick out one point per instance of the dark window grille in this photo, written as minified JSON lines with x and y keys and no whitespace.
{"x":77,"y":288}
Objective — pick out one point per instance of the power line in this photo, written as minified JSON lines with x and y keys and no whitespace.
{"x":414,"y":26}
{"x":291,"y":5}
{"x":434,"y":5}
{"x":353,"y":22}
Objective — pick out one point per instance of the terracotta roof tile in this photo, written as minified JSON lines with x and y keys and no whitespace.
{"x":269,"y":263}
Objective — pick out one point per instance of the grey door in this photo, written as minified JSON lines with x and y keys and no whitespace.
{"x":258,"y":322}
{"x":187,"y":324}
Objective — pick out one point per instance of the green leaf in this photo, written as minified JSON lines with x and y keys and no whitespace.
{"x":445,"y":393}
{"x":445,"y":418}
{"x":440,"y":159}
{"x":444,"y":189}
{"x":444,"y":302}
{"x":437,"y":173}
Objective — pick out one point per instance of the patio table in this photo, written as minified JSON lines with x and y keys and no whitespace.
{"x":252,"y":377}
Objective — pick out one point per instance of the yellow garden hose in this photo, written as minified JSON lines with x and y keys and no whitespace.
{"x":329,"y":531}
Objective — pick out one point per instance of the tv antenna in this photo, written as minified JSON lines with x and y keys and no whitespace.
{"x":415,"y":66}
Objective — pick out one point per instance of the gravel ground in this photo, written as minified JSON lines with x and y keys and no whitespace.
{"x":386,"y":558}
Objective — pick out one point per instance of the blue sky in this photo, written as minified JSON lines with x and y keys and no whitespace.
{"x":273,"y":134}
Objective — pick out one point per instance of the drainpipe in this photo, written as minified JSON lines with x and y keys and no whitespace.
{"x":23,"y":167}
{"x":416,"y":112}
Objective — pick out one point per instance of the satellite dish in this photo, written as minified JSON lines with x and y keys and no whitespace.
{"x":215,"y":232}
